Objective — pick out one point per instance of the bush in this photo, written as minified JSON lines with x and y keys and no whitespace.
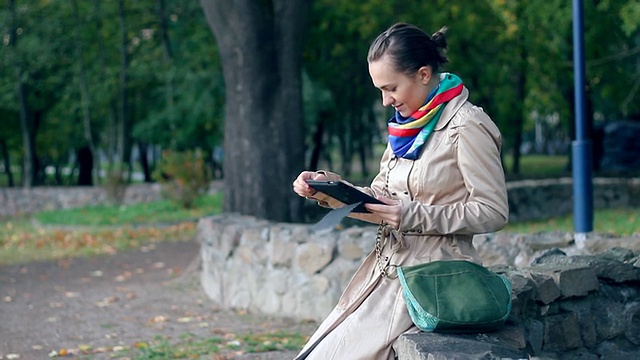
{"x":183,"y":177}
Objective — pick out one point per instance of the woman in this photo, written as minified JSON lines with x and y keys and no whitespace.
{"x":441,"y":181}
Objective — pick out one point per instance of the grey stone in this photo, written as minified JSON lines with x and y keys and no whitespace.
{"x":582,"y":309}
{"x":535,"y":335}
{"x":632,"y":315}
{"x":523,"y":292}
{"x":572,"y":280}
{"x":423,"y":346}
{"x":312,"y":257}
{"x":562,"y":332}
{"x":609,"y":322}
{"x":611,"y":351}
{"x":355,"y":243}
{"x":548,"y":290}
{"x":281,"y":247}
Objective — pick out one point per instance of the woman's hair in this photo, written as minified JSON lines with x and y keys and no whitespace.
{"x":410,"y":48}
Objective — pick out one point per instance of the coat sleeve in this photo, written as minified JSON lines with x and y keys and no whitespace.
{"x":477,"y":144}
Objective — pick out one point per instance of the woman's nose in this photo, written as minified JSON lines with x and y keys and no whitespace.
{"x":387,"y":100}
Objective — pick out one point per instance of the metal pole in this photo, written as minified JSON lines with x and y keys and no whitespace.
{"x":581,"y":146}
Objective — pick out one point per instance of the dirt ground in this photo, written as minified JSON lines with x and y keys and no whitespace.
{"x":103,"y":302}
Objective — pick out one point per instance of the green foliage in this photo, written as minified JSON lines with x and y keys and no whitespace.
{"x":176,"y":97}
{"x":183,"y":176}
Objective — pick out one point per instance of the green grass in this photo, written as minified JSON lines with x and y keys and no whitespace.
{"x":53,"y":235}
{"x":163,"y":211}
{"x":191,"y":347}
{"x":622,"y":222}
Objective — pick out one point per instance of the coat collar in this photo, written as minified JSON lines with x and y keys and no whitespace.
{"x":451,"y":109}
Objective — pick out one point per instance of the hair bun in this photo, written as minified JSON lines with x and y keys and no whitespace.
{"x":439,"y":38}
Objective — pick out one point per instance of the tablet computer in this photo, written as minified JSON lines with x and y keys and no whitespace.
{"x":345,"y":193}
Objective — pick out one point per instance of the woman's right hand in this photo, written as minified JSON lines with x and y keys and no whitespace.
{"x":301,"y":187}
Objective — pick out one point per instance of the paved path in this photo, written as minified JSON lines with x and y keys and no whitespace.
{"x":117,"y":300}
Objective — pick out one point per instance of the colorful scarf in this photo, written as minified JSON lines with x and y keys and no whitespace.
{"x":407,"y":135}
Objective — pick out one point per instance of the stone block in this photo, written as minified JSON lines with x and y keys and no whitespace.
{"x":547,"y":288}
{"x":355,"y":244}
{"x":632,"y":316}
{"x":523,"y":295}
{"x":535,"y":335}
{"x":281,"y":248}
{"x":313,"y":257}
{"x":432,"y":346}
{"x":608,"y":320}
{"x":561,"y":333}
{"x":582,"y":308}
{"x":573,"y":280}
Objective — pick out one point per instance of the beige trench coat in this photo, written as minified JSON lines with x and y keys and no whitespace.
{"x":455,"y":189}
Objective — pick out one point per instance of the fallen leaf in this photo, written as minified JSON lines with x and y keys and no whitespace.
{"x":71,"y":294}
{"x":8,"y":299}
{"x":63,"y":352}
{"x":107,"y":301}
{"x":85,"y":347}
{"x":13,"y":356}
{"x":185,"y":319}
{"x":159,"y":319}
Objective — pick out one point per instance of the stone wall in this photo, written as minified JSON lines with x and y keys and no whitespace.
{"x":567,"y":302}
{"x":543,"y":199}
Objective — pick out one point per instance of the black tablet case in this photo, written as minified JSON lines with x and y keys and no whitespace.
{"x":345,"y":193}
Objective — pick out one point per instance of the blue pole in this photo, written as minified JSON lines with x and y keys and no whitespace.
{"x":581,"y":146}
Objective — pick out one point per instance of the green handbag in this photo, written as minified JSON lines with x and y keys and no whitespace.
{"x":455,"y":296}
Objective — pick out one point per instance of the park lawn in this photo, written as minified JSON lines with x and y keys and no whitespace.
{"x":53,"y":235}
{"x":621,"y":222}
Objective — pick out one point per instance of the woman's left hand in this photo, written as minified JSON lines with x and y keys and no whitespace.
{"x":390,"y":213}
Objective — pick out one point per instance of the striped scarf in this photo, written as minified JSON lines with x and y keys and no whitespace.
{"x":407,"y":135}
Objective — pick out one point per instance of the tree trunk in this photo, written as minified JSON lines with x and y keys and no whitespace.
{"x":85,"y":100}
{"x":260,"y":44}
{"x":167,"y":59}
{"x":520,"y":95}
{"x":7,"y":162}
{"x":144,"y":161}
{"x":123,"y":116}
{"x":112,"y":109}
{"x":28,"y":170}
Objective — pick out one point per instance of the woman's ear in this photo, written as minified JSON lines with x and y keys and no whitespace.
{"x":425,"y":74}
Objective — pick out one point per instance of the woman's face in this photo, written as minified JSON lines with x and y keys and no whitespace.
{"x":406,"y":93}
